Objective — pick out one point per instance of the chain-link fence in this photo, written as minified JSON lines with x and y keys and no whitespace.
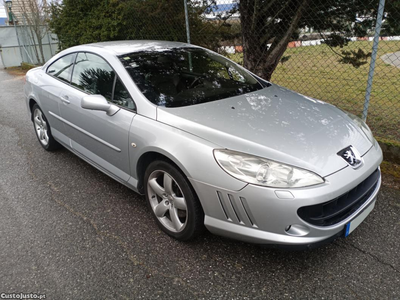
{"x":322,"y":49}
{"x":345,"y":52}
{"x":37,"y":45}
{"x":20,"y":44}
{"x":27,"y":37}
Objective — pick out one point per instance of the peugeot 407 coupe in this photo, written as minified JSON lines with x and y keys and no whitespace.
{"x":207,"y":142}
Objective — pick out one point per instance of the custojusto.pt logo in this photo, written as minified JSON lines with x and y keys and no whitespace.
{"x":22,"y":296}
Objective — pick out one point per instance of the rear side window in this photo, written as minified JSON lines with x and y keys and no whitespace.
{"x":93,"y":75}
{"x":62,"y":67}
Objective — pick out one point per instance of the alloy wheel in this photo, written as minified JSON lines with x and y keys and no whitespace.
{"x":41,"y":127}
{"x":167,"y":201}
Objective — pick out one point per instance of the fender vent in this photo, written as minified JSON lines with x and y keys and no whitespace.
{"x":236,"y":209}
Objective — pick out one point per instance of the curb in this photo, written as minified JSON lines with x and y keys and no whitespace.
{"x":390,"y":149}
{"x":26,"y":66}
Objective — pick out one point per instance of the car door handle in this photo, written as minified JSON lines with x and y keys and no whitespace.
{"x":65,"y":99}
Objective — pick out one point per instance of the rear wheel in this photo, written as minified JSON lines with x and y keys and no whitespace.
{"x":173,"y":202}
{"x":42,"y":129}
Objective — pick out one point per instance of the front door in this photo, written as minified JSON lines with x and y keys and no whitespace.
{"x":101,"y":138}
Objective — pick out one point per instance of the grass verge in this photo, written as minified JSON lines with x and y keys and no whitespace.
{"x":21,"y":70}
{"x":390,"y":174}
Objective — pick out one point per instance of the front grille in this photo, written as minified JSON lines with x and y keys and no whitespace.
{"x":338,"y":209}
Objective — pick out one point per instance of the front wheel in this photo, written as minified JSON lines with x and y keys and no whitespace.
{"x":173,"y":202}
{"x":42,"y":129}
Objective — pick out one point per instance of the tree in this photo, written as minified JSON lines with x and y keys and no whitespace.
{"x":35,"y":15}
{"x":268,"y":26}
{"x":85,"y":21}
{"x":265,"y":28}
{"x":392,"y":20}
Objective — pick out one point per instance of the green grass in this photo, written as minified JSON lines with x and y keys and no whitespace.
{"x":315,"y":71}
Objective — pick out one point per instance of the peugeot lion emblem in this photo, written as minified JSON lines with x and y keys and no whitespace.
{"x":351,"y":156}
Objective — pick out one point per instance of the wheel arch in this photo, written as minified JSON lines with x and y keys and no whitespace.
{"x":153,"y":155}
{"x":31,"y":103}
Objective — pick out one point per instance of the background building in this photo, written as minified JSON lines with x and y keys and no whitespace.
{"x":3,"y":15}
{"x":18,"y":7}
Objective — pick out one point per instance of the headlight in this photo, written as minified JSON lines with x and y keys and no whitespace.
{"x":261,"y":171}
{"x":361,"y":124}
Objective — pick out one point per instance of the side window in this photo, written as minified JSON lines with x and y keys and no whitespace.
{"x":62,"y":67}
{"x":121,"y":96}
{"x":93,"y":75}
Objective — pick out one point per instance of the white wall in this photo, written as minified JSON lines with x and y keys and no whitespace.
{"x":16,"y":49}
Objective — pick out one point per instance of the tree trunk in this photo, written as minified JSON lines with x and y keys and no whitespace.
{"x":252,"y":47}
{"x":32,"y":36}
{"x":277,"y":50}
{"x":257,"y":56}
{"x":40,"y":44}
{"x":41,"y":50}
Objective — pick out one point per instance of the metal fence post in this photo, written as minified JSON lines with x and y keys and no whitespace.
{"x":187,"y":22}
{"x":51,"y":48}
{"x":19,"y":44}
{"x":373,"y":57}
{"x":188,"y":34}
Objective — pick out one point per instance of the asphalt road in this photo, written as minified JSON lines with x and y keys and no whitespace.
{"x":70,"y":232}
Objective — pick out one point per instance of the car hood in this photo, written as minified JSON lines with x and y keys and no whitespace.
{"x":274,"y":123}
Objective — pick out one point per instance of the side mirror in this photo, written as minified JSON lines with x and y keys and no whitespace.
{"x":98,"y":102}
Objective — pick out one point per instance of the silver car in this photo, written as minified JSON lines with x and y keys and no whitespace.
{"x":208,"y":142}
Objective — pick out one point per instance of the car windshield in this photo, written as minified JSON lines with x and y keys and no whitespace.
{"x":186,"y":76}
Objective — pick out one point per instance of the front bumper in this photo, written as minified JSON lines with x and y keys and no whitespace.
{"x":264,"y":215}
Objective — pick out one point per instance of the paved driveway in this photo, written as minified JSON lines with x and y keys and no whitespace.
{"x":392,"y":59}
{"x":70,"y":232}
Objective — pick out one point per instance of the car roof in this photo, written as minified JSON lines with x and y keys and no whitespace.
{"x":124,"y":47}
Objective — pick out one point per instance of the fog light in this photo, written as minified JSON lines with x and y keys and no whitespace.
{"x":297,"y":230}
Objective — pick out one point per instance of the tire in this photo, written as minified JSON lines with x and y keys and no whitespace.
{"x":43,"y":130}
{"x":172,"y":201}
